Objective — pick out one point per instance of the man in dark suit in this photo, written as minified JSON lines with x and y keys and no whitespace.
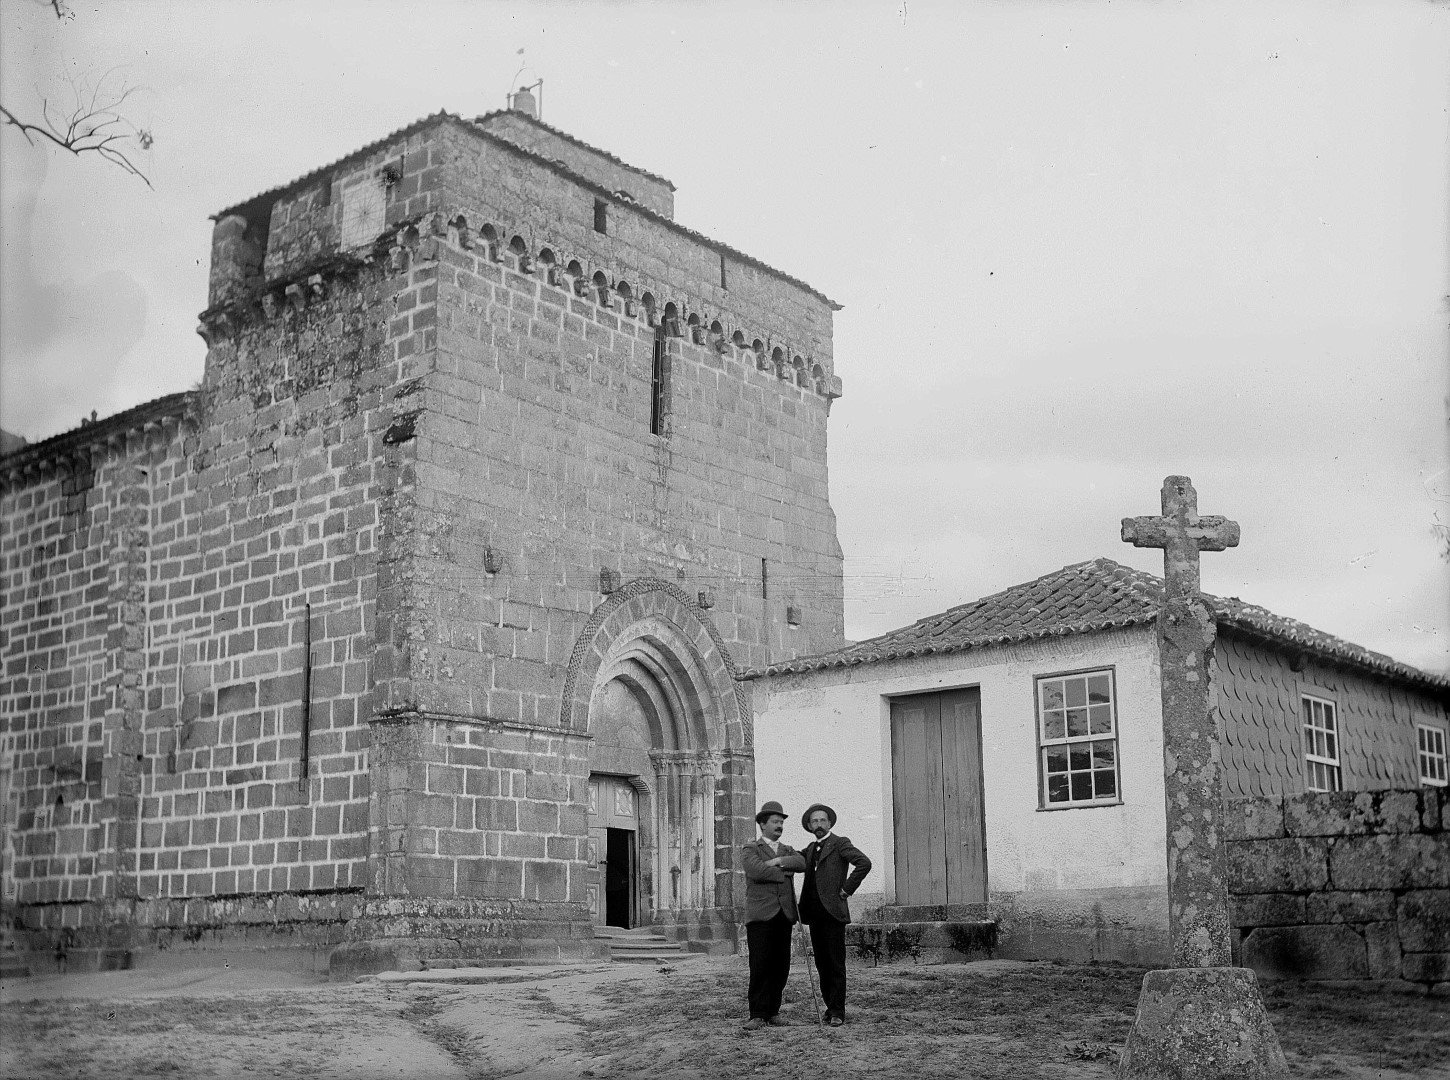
{"x":770,"y":913}
{"x":823,"y":903}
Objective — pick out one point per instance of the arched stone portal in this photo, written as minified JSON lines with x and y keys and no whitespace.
{"x":654,"y":686}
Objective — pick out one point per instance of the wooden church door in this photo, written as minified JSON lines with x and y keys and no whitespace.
{"x":937,"y":811}
{"x":613,"y":851}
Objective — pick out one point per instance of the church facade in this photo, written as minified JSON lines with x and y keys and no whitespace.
{"x":414,"y":631}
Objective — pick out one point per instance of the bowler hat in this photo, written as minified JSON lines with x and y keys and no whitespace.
{"x":768,"y":810}
{"x":819,"y":806}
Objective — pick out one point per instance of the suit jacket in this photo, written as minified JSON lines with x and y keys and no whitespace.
{"x":769,"y":890}
{"x":826,"y":862}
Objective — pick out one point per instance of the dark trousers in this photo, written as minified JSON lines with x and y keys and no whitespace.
{"x":769,"y":944}
{"x":828,"y":942}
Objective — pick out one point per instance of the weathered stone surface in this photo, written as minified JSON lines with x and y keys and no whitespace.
{"x":1306,"y":952}
{"x":1204,"y":1024}
{"x":1345,"y":813}
{"x":1267,"y":909}
{"x":1198,"y":917}
{"x":1288,"y":865}
{"x":1413,"y":861}
{"x":1435,"y":808}
{"x":1258,"y":818}
{"x":1382,"y":950}
{"x":1349,"y":907}
{"x":1426,"y":967}
{"x":1424,"y":920}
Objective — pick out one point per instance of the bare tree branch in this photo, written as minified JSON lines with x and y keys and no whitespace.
{"x":88,"y":128}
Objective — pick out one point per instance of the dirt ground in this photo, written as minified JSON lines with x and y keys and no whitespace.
{"x":994,"y":1020}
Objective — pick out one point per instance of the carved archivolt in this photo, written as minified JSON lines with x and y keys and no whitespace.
{"x":657,"y":623}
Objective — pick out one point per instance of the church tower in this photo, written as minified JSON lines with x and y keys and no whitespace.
{"x":496,"y":478}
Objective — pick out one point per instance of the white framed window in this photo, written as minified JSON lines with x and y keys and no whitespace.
{"x":1077,"y":734}
{"x":1430,"y":742}
{"x":1321,"y":744}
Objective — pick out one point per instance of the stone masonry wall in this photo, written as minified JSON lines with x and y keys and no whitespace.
{"x":156,"y":619}
{"x":604,"y":169}
{"x":59,"y":636}
{"x":1344,"y":885}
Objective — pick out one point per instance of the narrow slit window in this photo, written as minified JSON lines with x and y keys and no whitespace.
{"x":601,"y":216}
{"x":722,"y":273}
{"x":659,"y":384}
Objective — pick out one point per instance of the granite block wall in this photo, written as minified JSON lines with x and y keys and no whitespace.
{"x":1343,"y":885}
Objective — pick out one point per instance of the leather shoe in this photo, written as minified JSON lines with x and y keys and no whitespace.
{"x":755,"y":1023}
{"x":776,"y":1021}
{"x":835,"y":1021}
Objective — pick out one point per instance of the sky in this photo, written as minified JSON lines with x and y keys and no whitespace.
{"x":1080,"y":247}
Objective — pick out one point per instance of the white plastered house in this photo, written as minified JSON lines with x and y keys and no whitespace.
{"x":1004,"y":759}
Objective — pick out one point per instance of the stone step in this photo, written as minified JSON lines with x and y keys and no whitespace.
{"x":660,"y":945}
{"x":655,"y":957}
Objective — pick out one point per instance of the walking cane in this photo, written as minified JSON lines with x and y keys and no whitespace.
{"x":810,"y":961}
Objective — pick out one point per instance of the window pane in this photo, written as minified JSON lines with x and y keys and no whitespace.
{"x":1331,"y":745}
{"x":1329,"y":724}
{"x":1105,"y":784}
{"x":1081,"y":756}
{"x":1052,"y":695}
{"x":1101,"y":719}
{"x":1103,"y":754}
{"x":1076,"y":692}
{"x":1057,"y":788}
{"x":1077,"y":722}
{"x":1098,"y":689}
{"x":1082,"y":786}
{"x":1054,"y":726}
{"x":1057,"y":759}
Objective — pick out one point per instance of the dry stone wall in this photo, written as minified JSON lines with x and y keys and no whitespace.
{"x":1343,"y":885}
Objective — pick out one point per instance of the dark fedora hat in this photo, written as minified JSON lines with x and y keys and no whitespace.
{"x":769,"y":810}
{"x":819,"y":806}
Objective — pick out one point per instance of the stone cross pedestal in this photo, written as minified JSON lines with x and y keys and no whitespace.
{"x":1203,"y":1018}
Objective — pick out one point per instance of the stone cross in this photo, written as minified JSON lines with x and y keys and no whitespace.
{"x":1198,"y":918}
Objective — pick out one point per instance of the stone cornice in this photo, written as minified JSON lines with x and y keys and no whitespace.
{"x":75,"y":448}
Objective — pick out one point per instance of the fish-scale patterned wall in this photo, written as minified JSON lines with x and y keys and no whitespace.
{"x":1259,"y":698}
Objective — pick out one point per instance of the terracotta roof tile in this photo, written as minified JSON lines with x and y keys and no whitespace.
{"x":1083,"y":598}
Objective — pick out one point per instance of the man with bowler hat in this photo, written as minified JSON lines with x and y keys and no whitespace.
{"x":823,"y":903}
{"x":770,"y":912}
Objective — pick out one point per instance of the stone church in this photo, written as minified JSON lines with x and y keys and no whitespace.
{"x":413,"y":632}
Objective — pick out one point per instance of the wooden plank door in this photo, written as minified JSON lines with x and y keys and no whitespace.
{"x":613,"y":888}
{"x":936,"y":779}
{"x":594,"y":888}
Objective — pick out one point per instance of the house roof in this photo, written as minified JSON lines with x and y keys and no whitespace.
{"x":1086,"y":597}
{"x":272,"y":194}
